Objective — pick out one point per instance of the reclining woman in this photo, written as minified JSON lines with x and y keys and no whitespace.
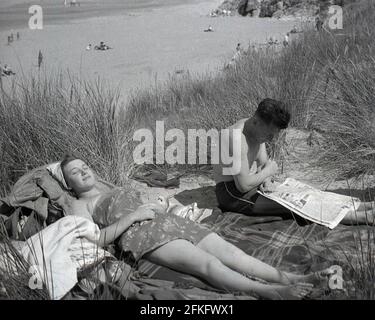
{"x":180,"y":244}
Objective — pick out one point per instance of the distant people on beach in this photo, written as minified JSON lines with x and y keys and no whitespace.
{"x":11,"y":37}
{"x":235,"y":57}
{"x":209,"y":29}
{"x":286,"y":40}
{"x":6,"y":70}
{"x":74,"y":3}
{"x":102,"y":46}
{"x":294,"y":29}
{"x":318,"y":23}
{"x":40,"y":59}
{"x":272,"y":41}
{"x":219,"y":12}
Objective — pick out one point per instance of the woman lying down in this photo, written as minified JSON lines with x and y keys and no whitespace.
{"x":180,"y":244}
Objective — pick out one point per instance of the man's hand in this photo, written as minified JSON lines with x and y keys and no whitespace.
{"x":271,"y":167}
{"x":269,"y":185}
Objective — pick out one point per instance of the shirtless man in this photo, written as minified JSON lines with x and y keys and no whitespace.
{"x":238,"y":192}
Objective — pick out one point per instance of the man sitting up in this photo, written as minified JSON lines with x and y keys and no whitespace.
{"x":238,"y":192}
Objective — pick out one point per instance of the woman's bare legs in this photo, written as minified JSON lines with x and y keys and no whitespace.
{"x":183,"y":256}
{"x":236,"y":259}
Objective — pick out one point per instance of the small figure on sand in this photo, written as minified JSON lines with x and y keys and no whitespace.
{"x":6,"y":70}
{"x":286,"y":40}
{"x":272,"y":41}
{"x":74,"y":3}
{"x":88,"y":48}
{"x":18,"y":35}
{"x":294,"y":29}
{"x":235,"y":57}
{"x":40,"y":59}
{"x":209,"y":29}
{"x":318,"y":23}
{"x":238,"y":48}
{"x":9,"y":41}
{"x":102,"y":46}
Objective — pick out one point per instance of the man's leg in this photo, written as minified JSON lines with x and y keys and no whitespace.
{"x":265,"y":206}
{"x":250,"y":203}
{"x":360,"y":217}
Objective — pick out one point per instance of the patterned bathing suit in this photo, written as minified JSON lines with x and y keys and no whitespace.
{"x":142,"y":238}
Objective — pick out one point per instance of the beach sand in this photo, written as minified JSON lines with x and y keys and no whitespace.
{"x":150,"y":43}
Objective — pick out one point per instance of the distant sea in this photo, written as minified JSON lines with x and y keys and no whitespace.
{"x":14,"y":13}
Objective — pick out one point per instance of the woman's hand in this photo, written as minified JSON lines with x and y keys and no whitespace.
{"x":159,"y":207}
{"x":144,"y":212}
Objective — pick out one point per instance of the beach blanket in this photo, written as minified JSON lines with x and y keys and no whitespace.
{"x":285,"y":244}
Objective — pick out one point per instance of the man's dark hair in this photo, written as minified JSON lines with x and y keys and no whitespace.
{"x":273,"y":111}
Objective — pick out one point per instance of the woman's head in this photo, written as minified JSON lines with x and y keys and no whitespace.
{"x":77,"y":174}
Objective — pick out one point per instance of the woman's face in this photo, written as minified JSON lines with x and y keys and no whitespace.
{"x":79,"y":176}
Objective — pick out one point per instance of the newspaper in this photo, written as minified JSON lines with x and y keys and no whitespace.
{"x":325,"y":208}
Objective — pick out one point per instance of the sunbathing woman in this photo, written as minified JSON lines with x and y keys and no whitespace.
{"x":180,"y":244}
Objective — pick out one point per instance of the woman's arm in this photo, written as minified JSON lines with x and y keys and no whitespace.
{"x":112,"y":232}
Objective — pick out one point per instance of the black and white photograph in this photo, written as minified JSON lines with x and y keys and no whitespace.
{"x":215,"y":152}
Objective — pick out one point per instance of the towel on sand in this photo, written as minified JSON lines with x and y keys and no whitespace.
{"x":155,"y":178}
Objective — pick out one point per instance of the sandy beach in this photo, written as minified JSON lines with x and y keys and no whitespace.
{"x":150,"y":41}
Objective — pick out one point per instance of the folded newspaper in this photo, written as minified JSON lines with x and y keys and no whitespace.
{"x":322,"y":207}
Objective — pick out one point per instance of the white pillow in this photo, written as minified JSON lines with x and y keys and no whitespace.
{"x":56,"y":172}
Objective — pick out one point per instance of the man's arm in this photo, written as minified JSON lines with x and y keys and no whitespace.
{"x":262,"y":157}
{"x":249,"y":181}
